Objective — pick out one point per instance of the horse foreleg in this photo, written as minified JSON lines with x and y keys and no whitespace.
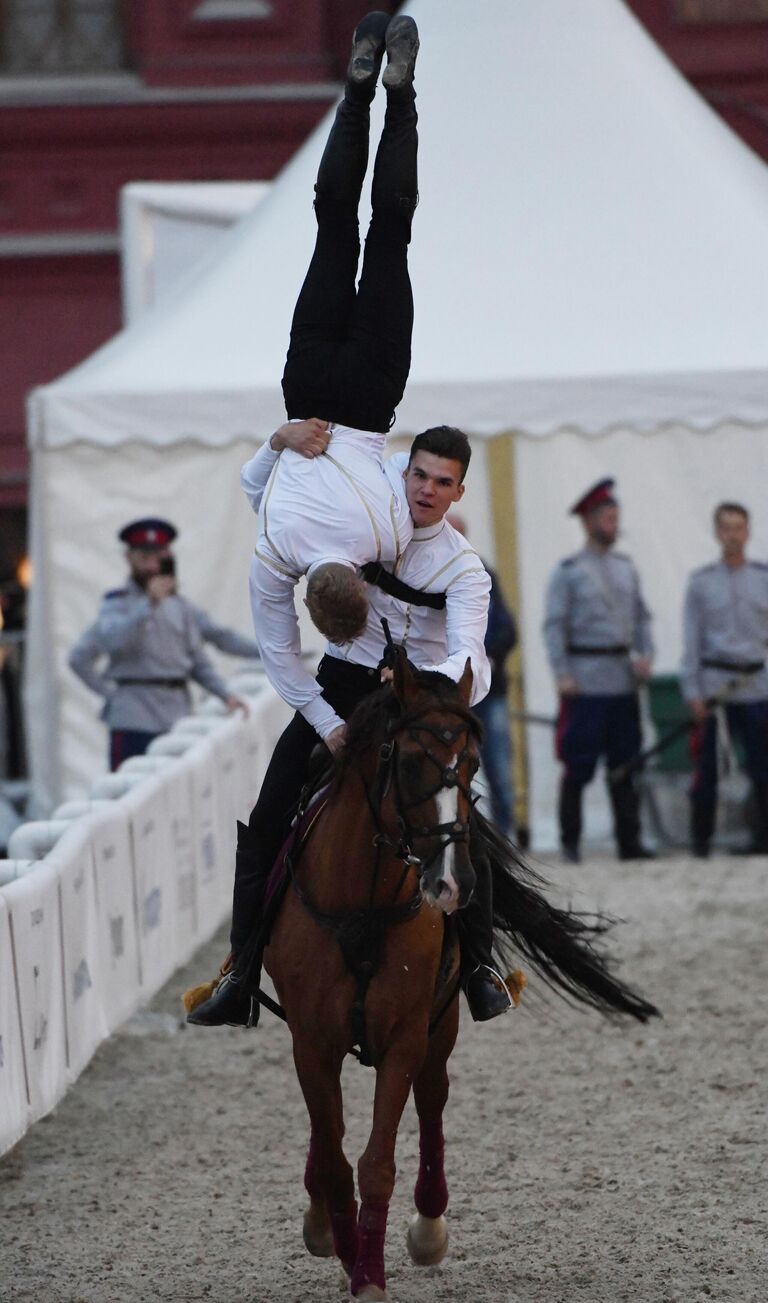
{"x":318,"y":1235}
{"x":428,"y":1232}
{"x":376,"y":1169}
{"x":330,"y":1222}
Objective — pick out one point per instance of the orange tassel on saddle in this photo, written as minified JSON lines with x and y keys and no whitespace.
{"x":197,"y":995}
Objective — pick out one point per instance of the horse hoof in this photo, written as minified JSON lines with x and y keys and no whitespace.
{"x":370,"y":1294}
{"x":427,"y":1240}
{"x":318,"y":1236}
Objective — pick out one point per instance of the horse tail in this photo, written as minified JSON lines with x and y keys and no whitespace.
{"x":558,"y":943}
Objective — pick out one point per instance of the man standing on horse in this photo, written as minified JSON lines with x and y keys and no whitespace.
{"x":346,"y":370}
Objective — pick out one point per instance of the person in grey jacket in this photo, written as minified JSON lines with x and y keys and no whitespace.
{"x":153,"y":639}
{"x":725,"y":634}
{"x":597,"y":630}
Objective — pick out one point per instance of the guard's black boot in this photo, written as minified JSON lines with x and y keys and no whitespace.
{"x":367,"y":54}
{"x":702,"y":826}
{"x":758,"y":843}
{"x":569,"y":812}
{"x":402,"y":47}
{"x":228,"y":1006}
{"x":626,"y":821}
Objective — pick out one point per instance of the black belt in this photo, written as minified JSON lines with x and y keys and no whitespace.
{"x":746,"y":667}
{"x":619,"y":650}
{"x":332,"y":670}
{"x":373,"y":573}
{"x":151,"y":683}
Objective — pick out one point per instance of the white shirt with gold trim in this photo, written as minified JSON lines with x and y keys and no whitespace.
{"x":344,"y":507}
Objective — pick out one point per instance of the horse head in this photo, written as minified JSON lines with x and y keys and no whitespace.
{"x":436,"y":754}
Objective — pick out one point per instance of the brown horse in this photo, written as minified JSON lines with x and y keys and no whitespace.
{"x":369,"y":913}
{"x":360,"y":953}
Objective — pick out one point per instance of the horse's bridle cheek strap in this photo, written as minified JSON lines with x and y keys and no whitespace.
{"x":387,"y":782}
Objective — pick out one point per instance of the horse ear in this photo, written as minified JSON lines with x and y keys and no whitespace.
{"x":403,"y":680}
{"x":465,"y":683}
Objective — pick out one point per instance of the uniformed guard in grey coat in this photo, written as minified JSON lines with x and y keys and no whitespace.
{"x":153,"y":639}
{"x":597,"y":630}
{"x":724,"y":638}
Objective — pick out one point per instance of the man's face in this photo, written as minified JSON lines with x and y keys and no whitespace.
{"x":602,"y":525}
{"x":143,"y":562}
{"x":432,"y":485}
{"x":732,"y":532}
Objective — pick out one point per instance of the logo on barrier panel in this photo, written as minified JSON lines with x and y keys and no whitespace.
{"x":117,"y":935}
{"x":81,"y":979}
{"x":152,"y":911}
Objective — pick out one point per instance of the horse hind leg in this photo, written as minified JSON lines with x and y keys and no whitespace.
{"x":427,"y":1237}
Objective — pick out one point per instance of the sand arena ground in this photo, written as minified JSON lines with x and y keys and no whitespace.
{"x":587,"y":1163}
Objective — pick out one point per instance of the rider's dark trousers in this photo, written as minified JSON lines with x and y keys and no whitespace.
{"x":344,"y":685}
{"x":350,"y":347}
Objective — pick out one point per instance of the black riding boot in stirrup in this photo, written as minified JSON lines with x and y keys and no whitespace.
{"x":487,"y":996}
{"x":231,"y":1004}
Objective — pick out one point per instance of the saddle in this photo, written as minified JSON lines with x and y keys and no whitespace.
{"x":293,"y":846}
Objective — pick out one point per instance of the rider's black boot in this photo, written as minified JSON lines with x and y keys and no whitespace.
{"x":231,"y":1002}
{"x":367,"y":54}
{"x":402,"y":47}
{"x":230,"y":1005}
{"x":487,"y":996}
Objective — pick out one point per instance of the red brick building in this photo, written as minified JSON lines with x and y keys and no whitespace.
{"x":95,"y":93}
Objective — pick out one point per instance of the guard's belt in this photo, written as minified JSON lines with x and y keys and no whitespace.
{"x":621,"y":649}
{"x":745,"y":667}
{"x":152,"y":683}
{"x":374,"y":573}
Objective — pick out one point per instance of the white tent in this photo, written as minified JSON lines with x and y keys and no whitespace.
{"x":166,"y":227}
{"x":590,"y":267}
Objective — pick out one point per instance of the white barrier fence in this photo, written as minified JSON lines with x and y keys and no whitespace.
{"x":131,"y":886}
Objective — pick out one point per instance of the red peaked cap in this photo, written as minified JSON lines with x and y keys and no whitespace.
{"x":600,"y":495}
{"x":150,"y":532}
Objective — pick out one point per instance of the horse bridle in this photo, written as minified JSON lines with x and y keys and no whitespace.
{"x":388,"y":776}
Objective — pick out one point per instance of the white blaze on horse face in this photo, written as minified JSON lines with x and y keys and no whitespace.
{"x":448,"y":813}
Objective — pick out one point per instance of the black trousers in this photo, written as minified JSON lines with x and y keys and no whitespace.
{"x":344,"y":685}
{"x":350,"y":347}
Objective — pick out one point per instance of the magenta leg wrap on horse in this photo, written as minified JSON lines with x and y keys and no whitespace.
{"x":345,"y":1237}
{"x":431,"y":1192}
{"x":311,"y":1182}
{"x":372,"y":1228}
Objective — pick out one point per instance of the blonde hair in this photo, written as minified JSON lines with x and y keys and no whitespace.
{"x":337,"y":602}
